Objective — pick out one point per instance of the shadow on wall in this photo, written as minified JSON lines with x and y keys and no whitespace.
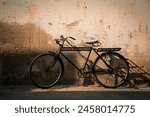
{"x":15,"y":70}
{"x":19,"y":44}
{"x":138,"y":76}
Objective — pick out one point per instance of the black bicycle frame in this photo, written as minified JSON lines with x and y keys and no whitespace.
{"x":77,"y":49}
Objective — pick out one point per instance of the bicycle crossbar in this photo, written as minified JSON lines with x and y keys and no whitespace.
{"x":76,"y":49}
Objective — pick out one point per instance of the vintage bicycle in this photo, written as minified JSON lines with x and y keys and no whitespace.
{"x":109,"y":69}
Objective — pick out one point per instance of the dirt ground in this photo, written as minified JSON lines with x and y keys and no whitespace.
{"x":68,"y":92}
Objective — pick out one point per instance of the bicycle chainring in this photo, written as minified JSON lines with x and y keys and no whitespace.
{"x":82,"y":73}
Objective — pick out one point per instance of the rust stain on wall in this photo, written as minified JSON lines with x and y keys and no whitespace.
{"x":4,"y":3}
{"x":75,"y":23}
{"x":32,"y":10}
{"x":16,"y":38}
{"x":133,"y":8}
{"x":28,"y":27}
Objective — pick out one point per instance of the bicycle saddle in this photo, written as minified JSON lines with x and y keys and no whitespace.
{"x":92,"y":42}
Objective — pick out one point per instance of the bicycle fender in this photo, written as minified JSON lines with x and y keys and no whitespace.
{"x":50,"y":52}
{"x":57,"y":56}
{"x":105,"y":53}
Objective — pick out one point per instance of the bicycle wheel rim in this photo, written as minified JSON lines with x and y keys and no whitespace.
{"x":111,"y":78}
{"x":40,"y":76}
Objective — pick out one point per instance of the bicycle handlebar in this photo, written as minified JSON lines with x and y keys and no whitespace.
{"x":62,"y":39}
{"x":67,"y":37}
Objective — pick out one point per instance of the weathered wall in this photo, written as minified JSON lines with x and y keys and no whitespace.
{"x":29,"y":26}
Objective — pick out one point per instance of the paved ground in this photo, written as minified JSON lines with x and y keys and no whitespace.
{"x":91,"y":92}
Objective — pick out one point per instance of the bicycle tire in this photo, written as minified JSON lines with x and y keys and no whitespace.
{"x":46,"y":70}
{"x":114,"y":77}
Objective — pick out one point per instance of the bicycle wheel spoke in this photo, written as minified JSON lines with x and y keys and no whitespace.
{"x":113,"y":72}
{"x":45,"y":71}
{"x":102,"y":71}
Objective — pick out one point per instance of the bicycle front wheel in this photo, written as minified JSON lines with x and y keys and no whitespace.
{"x":111,"y":70}
{"x":46,"y":70}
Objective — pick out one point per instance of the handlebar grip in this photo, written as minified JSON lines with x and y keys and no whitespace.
{"x":72,"y":38}
{"x":61,"y":36}
{"x":67,"y":37}
{"x":56,"y":40}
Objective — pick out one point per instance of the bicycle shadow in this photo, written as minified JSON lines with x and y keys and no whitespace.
{"x":138,"y":77}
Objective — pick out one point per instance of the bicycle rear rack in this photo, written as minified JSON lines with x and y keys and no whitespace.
{"x":108,"y":49}
{"x":76,"y":49}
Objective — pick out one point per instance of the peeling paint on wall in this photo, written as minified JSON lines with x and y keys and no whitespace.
{"x":28,"y":26}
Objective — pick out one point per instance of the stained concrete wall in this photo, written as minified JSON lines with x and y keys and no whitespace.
{"x":28,"y":27}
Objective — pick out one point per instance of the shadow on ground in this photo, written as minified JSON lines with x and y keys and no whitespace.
{"x":127,"y":92}
{"x":74,"y":93}
{"x":137,"y":75}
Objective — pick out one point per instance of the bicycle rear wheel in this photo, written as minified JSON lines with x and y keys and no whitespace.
{"x":46,"y":70}
{"x":111,"y":70}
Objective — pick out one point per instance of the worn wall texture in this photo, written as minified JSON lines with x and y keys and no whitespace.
{"x":28,"y":27}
